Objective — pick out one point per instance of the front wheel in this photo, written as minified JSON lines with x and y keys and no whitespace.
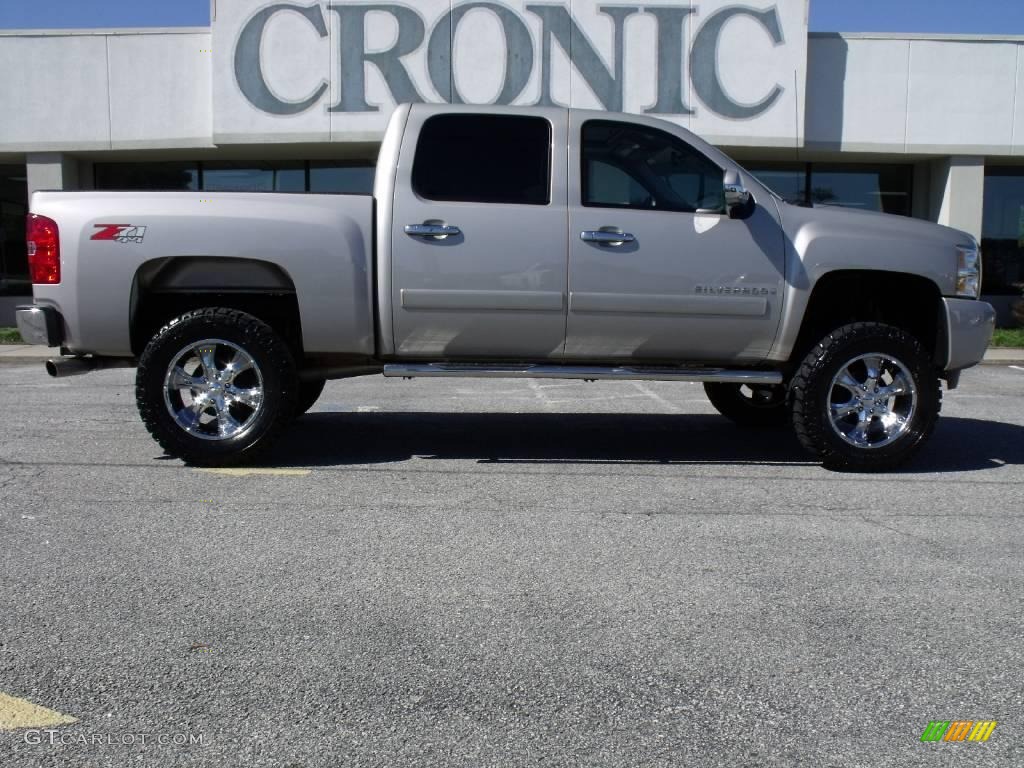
{"x":216,"y":386}
{"x":866,"y":398}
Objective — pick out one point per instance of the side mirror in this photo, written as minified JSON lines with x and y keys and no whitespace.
{"x":737,"y":198}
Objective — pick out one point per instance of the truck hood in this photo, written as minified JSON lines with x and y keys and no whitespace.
{"x":864,"y":222}
{"x":828,"y":239}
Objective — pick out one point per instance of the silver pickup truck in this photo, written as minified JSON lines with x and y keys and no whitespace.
{"x":515,"y":243}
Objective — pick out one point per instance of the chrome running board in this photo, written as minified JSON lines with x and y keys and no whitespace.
{"x":586,"y":372}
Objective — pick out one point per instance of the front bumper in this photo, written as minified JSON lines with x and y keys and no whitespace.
{"x":40,"y":325}
{"x":969,"y":327}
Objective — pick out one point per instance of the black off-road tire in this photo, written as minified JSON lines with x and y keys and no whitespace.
{"x":266,"y":348}
{"x":755,"y":406}
{"x":810,"y":396}
{"x":309,"y":393}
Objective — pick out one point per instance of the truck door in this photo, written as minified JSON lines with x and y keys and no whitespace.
{"x":478,"y":260}
{"x":658,"y":272}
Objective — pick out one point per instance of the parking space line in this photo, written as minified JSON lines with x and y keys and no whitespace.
{"x":249,"y":472}
{"x":538,"y":390}
{"x":613,"y":398}
{"x":17,"y":713}
{"x":1017,"y":368}
{"x":644,"y":389}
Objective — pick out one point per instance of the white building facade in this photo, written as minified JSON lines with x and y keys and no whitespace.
{"x":294,"y":96}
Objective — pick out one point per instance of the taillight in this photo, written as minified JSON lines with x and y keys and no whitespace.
{"x":43,"y":242}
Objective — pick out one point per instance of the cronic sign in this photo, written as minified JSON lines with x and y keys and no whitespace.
{"x":732,"y":62}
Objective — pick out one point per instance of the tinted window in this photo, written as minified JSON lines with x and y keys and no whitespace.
{"x":484,"y":159}
{"x":353,"y":177}
{"x":342,"y":178}
{"x":161,"y":177}
{"x":13,"y":207}
{"x":631,"y":166}
{"x":884,"y":188}
{"x":246,"y":177}
{"x":1002,"y":245}
{"x":787,"y":180}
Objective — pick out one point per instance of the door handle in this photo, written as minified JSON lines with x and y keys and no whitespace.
{"x":433,"y":231}
{"x":607,"y":237}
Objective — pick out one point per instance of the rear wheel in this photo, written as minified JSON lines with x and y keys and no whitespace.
{"x":749,"y":405}
{"x":216,"y":386}
{"x":866,"y":398}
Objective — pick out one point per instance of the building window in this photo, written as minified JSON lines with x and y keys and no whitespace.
{"x":341,"y":178}
{"x":882,"y":188}
{"x":155,"y":177}
{"x":325,"y":177}
{"x":13,"y":207}
{"x":787,"y":180}
{"x":484,"y":159}
{"x":1002,"y":231}
{"x":253,"y":177}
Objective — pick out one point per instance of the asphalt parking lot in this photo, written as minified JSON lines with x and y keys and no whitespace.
{"x":504,"y":573}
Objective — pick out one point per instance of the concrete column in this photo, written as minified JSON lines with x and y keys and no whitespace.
{"x":922,"y":189}
{"x":51,"y":170}
{"x":958,"y":193}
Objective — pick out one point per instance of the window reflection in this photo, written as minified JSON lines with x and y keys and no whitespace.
{"x":881,"y":188}
{"x":1003,"y":231}
{"x":244,"y":177}
{"x":159,"y":177}
{"x":341,"y":178}
{"x":787,"y":180}
{"x":885,"y":189}
{"x":632,"y":166}
{"x":13,"y":207}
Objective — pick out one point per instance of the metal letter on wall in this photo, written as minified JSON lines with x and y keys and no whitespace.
{"x":249,"y":67}
{"x":704,"y":63}
{"x":557,"y":23}
{"x":518,"y":52}
{"x":671,"y":58}
{"x":685,"y":61}
{"x":352,"y":53}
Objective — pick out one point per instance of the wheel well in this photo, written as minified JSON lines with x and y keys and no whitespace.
{"x":165,"y":288}
{"x":906,"y":301}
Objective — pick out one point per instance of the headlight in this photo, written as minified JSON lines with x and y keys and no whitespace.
{"x":968,"y":271}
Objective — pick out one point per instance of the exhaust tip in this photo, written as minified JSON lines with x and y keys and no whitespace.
{"x":61,"y":367}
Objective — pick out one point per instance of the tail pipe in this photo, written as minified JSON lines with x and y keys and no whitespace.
{"x":62,"y":367}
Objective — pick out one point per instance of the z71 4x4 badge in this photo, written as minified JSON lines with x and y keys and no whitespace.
{"x":120,"y":233}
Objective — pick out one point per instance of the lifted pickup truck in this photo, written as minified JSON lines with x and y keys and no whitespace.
{"x":506,"y":242}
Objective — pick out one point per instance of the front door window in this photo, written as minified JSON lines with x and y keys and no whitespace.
{"x":641,"y":168}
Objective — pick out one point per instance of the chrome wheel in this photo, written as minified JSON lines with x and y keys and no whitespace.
{"x":872,"y":401}
{"x":213,"y":390}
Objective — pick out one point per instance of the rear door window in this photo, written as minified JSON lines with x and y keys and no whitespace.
{"x":502,"y":159}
